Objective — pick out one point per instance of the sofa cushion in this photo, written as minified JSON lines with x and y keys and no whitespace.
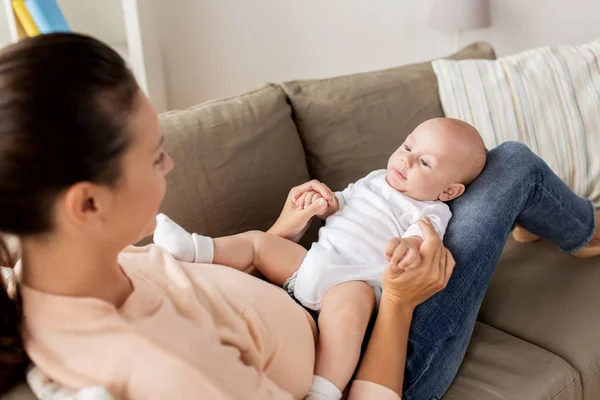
{"x":350,"y":125}
{"x":499,"y":366}
{"x":550,"y":299}
{"x":19,"y":392}
{"x":235,"y":162}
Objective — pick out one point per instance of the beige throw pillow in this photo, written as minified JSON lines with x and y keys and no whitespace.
{"x":548,"y":98}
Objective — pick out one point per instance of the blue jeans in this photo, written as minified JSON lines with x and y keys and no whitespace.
{"x":515,"y":185}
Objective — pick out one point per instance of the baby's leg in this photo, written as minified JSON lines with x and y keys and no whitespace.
{"x":343,"y":320}
{"x":276,"y":258}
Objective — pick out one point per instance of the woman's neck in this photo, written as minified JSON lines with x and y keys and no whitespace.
{"x":74,"y":268}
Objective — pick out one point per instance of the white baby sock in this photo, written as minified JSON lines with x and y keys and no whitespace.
{"x":181,"y":244}
{"x":322,"y":389}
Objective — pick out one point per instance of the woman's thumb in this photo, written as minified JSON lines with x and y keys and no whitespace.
{"x":427,"y":228}
{"x":316,"y":207}
{"x":392,"y":271}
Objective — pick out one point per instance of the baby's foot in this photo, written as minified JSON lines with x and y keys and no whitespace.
{"x":174,"y":239}
{"x":180,"y":243}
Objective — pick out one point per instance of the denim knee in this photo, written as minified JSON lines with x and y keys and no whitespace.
{"x":517,"y":160}
{"x":514,"y":149}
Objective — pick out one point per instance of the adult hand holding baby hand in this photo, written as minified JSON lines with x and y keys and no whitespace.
{"x":294,"y":220}
{"x":316,"y":192}
{"x":411,"y":287}
{"x":403,"y":252}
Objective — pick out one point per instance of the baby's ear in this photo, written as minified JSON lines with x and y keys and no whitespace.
{"x":452,"y":191}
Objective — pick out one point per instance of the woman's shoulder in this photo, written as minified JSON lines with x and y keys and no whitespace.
{"x":147,"y":260}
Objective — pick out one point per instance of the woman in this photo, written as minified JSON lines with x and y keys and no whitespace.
{"x":82,"y":175}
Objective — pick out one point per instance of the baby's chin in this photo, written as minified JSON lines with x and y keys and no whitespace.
{"x":390,"y":178}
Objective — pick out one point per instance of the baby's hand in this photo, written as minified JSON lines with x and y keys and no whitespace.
{"x":317,"y":193}
{"x":403,"y":252}
{"x":308,"y":198}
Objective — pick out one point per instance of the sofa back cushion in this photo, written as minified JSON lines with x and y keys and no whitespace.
{"x":235,"y":161}
{"x":350,"y":125}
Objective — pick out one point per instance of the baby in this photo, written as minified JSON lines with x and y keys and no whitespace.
{"x":370,"y":224}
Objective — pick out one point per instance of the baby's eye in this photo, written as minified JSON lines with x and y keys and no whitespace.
{"x":425,"y":163}
{"x":406,"y":147}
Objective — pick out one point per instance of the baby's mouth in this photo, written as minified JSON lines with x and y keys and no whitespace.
{"x":399,"y":174}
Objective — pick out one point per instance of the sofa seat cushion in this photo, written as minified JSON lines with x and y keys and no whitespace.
{"x":350,"y":125}
{"x":19,"y":392}
{"x":550,"y":299}
{"x":499,"y":366}
{"x":235,"y":162}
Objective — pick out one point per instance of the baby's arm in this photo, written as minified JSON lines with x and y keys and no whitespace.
{"x":439,"y":214}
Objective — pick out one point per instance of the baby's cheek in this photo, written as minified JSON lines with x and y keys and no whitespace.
{"x":429,"y":188}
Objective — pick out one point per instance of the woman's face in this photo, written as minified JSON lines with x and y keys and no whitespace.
{"x":137,"y":197}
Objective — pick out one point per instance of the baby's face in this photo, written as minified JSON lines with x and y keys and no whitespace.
{"x":430,"y":159}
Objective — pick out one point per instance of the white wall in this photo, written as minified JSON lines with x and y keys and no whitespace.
{"x":4,"y":31}
{"x":102,"y":19}
{"x":221,"y":48}
{"x":521,"y":24}
{"x":89,"y":16}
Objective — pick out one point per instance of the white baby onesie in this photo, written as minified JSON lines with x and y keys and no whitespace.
{"x":351,"y":245}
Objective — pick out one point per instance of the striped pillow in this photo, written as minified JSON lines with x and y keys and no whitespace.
{"x":548,"y":98}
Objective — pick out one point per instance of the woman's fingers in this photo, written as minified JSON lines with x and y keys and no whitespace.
{"x":297,"y":191}
{"x":323,"y":190}
{"x":431,"y":239}
{"x":308,"y":199}
{"x":413,"y":286}
{"x":299,"y":202}
{"x":315,"y":186}
{"x":315,"y":208}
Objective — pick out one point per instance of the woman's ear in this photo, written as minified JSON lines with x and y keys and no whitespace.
{"x":81,"y":204}
{"x":452,"y":191}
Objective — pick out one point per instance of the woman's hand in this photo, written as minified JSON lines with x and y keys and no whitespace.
{"x":293,"y":220}
{"x":403,"y":290}
{"x":404,"y":252}
{"x":409,"y":288}
{"x":306,"y":199}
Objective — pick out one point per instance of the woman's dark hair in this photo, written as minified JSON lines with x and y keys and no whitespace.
{"x":64,"y":106}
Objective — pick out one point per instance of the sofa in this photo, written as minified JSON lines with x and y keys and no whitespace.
{"x":538,"y":330}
